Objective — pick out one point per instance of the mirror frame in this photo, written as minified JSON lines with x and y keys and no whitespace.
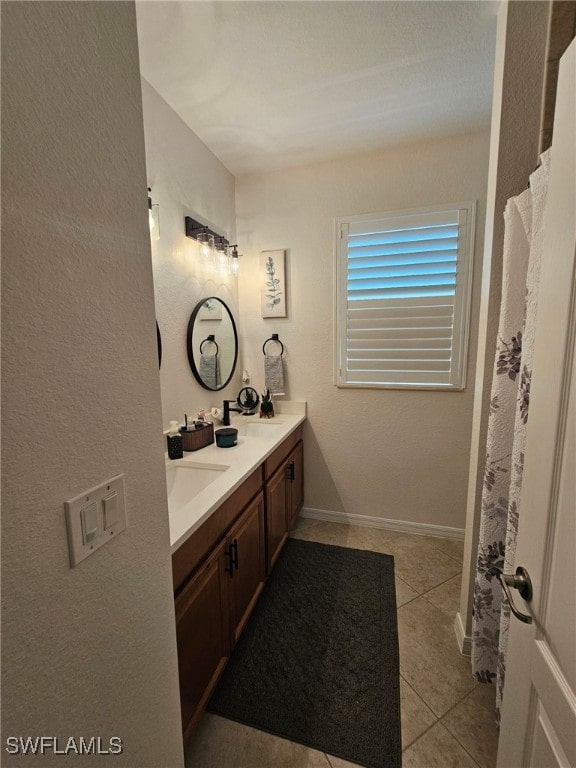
{"x":190,"y":350}
{"x":159,"y":345}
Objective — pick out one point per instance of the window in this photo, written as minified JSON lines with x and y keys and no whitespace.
{"x":403,"y":296}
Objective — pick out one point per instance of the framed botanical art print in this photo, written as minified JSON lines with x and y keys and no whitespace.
{"x":273,"y":283}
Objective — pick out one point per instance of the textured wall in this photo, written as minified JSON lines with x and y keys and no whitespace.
{"x":186,"y":179}
{"x":90,"y":650}
{"x":387,"y":453}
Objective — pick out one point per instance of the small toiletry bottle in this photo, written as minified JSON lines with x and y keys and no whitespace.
{"x":174,"y":440}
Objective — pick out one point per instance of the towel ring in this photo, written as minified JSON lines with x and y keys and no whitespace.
{"x":213,"y":341}
{"x":274,"y":337}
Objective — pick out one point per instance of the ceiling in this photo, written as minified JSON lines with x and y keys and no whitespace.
{"x":273,"y":83}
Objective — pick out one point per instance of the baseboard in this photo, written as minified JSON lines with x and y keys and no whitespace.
{"x":402,"y":526}
{"x":464,"y":640}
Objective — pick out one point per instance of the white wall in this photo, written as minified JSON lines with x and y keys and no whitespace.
{"x":186,"y":180}
{"x":89,"y":651}
{"x":401,"y":455}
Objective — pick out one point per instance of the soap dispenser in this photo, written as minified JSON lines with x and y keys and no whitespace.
{"x":174,"y":440}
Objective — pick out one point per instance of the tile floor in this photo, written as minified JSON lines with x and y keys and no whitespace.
{"x":447,"y":719}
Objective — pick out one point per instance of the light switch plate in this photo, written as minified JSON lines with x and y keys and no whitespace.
{"x":81,"y":508}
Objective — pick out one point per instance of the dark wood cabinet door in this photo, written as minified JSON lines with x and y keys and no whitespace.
{"x":248,"y":573}
{"x":296,"y":462}
{"x":203,"y":637}
{"x":276,"y":515}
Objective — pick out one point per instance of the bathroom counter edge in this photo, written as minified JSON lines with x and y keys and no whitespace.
{"x":242,"y":459}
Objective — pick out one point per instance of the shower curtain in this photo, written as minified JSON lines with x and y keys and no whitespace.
{"x":509,"y":404}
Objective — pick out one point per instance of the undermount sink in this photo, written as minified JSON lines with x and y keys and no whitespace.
{"x":185,"y":480}
{"x":264,"y":428}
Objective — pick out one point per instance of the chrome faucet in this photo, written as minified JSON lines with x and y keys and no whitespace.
{"x":227,"y":409}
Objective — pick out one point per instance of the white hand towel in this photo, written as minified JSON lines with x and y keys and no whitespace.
{"x":274,"y":374}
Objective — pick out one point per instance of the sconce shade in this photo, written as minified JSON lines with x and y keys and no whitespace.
{"x":206,"y":241}
{"x":234,"y":260}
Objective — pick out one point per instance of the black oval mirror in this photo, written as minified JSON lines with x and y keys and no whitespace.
{"x":159,"y":345}
{"x":212,"y":343}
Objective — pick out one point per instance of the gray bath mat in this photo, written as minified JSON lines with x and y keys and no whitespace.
{"x":318,"y":660}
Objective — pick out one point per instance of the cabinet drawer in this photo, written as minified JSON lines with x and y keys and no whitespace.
{"x":188,"y":557}
{"x":280,"y":454}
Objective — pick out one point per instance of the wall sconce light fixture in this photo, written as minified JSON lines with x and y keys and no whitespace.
{"x":153,"y":217}
{"x":210,"y":243}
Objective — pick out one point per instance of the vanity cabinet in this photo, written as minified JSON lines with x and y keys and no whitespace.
{"x":220,"y":570}
{"x":218,"y":575}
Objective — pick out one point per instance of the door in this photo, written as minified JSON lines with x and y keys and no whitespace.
{"x":202,"y":637}
{"x":276,"y":515}
{"x":538,"y":726}
{"x":296,"y":475}
{"x":246,"y":578}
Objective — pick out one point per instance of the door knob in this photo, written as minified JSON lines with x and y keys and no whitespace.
{"x":520,"y":581}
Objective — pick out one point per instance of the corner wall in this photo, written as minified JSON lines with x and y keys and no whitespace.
{"x":88,"y":651}
{"x":186,"y":180}
{"x":392,"y":454}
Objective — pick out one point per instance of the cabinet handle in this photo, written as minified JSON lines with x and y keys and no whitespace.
{"x":230,"y":565}
{"x":290,"y":472}
{"x":232,"y":555}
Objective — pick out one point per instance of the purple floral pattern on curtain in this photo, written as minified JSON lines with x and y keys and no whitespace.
{"x":509,"y":404}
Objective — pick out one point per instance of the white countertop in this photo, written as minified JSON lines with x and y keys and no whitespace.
{"x":241,"y":460}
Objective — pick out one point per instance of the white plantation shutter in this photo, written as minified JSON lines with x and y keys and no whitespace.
{"x":403,"y":294}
